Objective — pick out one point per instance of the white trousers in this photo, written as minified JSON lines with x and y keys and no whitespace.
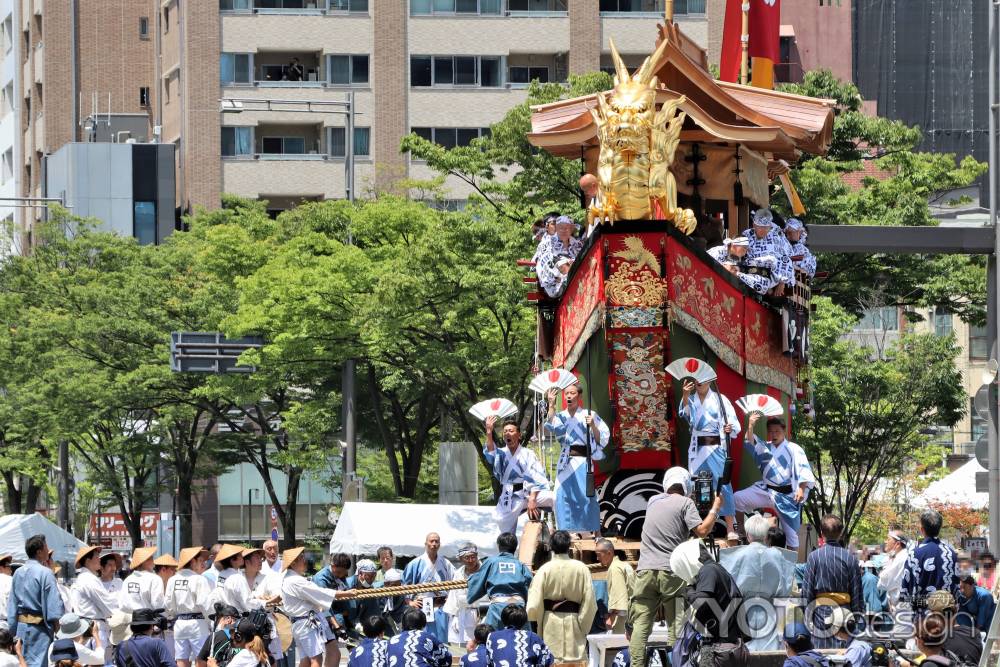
{"x":509,"y":510}
{"x":754,"y":497}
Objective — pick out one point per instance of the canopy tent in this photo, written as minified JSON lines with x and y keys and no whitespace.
{"x":958,"y":488}
{"x":364,"y":527}
{"x":15,"y":529}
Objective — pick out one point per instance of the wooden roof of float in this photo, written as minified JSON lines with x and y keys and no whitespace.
{"x":763,"y":120}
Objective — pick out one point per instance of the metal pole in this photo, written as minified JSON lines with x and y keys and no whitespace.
{"x":350,"y":431}
{"x":64,"y":521}
{"x":992,"y":278}
{"x":250,"y":517}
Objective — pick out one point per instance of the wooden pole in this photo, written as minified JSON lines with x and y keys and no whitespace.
{"x":669,"y":11}
{"x":745,"y":44}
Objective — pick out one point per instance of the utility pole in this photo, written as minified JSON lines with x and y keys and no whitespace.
{"x":992,"y":293}
{"x":350,"y":368}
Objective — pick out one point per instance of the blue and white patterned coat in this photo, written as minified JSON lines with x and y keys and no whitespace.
{"x":550,"y":248}
{"x":808,"y":262}
{"x":369,"y":653}
{"x":417,"y":648}
{"x":517,"y":648}
{"x":760,"y":284}
{"x":930,"y":567}
{"x":774,"y":244}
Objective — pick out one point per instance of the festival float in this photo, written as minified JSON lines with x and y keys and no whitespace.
{"x":681,"y":160}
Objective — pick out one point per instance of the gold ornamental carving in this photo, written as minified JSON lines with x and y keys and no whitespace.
{"x":637,"y":146}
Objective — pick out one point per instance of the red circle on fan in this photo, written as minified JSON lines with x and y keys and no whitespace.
{"x":691,"y":365}
{"x":495,"y":405}
{"x":553,"y":375}
{"x":762,"y":401}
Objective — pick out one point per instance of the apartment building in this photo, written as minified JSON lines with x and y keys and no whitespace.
{"x":445,"y":69}
{"x":9,"y":125}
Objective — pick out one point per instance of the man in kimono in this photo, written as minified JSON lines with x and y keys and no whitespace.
{"x":34,"y":605}
{"x":428,"y":567}
{"x":523,"y":484}
{"x":788,"y":477}
{"x":766,"y":240}
{"x":503,"y":579}
{"x":890,"y":579}
{"x":393,"y":607}
{"x":513,"y":646}
{"x":931,"y":565}
{"x":711,"y":418}
{"x":756,"y":273}
{"x":552,"y":277}
{"x":832,"y":579}
{"x":335,"y":577}
{"x":800,"y":255}
{"x":364,"y":579}
{"x":306,"y":604}
{"x":575,"y":428}
{"x":462,"y":611}
{"x":760,"y":572}
{"x":561,"y":602}
{"x":416,"y":646}
{"x":371,"y":652}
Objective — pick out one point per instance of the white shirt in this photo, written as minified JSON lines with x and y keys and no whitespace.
{"x":890,"y":579}
{"x":8,"y":659}
{"x":270,"y":585}
{"x":188,"y":593}
{"x":90,"y":598}
{"x":240,"y":594}
{"x":5,"y":582}
{"x":300,"y":597}
{"x":275,"y":566}
{"x":244,"y":658}
{"x":113,"y":586}
{"x":219,"y":595}
{"x":84,"y":655}
{"x":141,"y":590}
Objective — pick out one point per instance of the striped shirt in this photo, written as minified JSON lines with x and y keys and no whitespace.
{"x":833,"y":569}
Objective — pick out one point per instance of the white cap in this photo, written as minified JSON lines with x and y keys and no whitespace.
{"x":393,"y":575}
{"x":677,"y":475}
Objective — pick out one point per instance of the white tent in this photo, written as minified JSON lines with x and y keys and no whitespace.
{"x":958,"y":488}
{"x":15,"y":529}
{"x":364,"y":527}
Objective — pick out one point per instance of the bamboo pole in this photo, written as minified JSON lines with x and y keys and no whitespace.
{"x":669,"y":11}
{"x":745,"y":44}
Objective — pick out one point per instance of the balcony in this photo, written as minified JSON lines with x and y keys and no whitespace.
{"x":278,"y":69}
{"x":288,"y":32}
{"x":299,"y":7}
{"x":323,"y":179}
{"x":649,"y":8}
{"x":537,"y":8}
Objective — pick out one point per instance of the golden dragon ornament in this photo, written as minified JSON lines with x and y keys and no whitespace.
{"x":637,"y":146}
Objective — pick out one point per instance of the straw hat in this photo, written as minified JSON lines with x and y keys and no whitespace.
{"x":6,"y":559}
{"x":252,"y":550}
{"x":228,"y":551}
{"x":290,"y":556}
{"x":83,"y":552}
{"x":166,"y":560}
{"x":189,"y":554}
{"x":141,"y":555}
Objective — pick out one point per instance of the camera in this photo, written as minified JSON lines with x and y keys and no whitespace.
{"x":704,"y":492}
{"x":880,"y":654}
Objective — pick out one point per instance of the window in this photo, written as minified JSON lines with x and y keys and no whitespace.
{"x":527,"y":6}
{"x":234,"y":4}
{"x":979,"y":344}
{"x":144,"y":222}
{"x":236,"y":142}
{"x":483,"y":71}
{"x":7,"y":34}
{"x":7,"y":100}
{"x":942,"y":322}
{"x":7,"y":168}
{"x":651,"y":6}
{"x":283,"y":146}
{"x":349,"y":5}
{"x":166,"y":19}
{"x":235,"y":68}
{"x":524,"y":75}
{"x":879,"y":319}
{"x":347,"y":70}
{"x":143,"y":27}
{"x":449,"y":137}
{"x":979,"y":425}
{"x":144,"y":96}
{"x":427,"y":7}
{"x":362,"y":141}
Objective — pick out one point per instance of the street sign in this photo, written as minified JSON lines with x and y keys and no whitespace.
{"x":983,"y":451}
{"x":982,"y":482}
{"x":210,"y":352}
{"x":981,"y":402}
{"x":274,"y":534}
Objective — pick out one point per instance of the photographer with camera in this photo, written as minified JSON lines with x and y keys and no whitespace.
{"x":671,"y":518}
{"x":858,"y":652}
{"x":250,"y":636}
{"x":145,"y":648}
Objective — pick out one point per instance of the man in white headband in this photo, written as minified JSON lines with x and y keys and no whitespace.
{"x":802,"y":258}
{"x":463,"y":614}
{"x":757,"y":273}
{"x":767,"y":241}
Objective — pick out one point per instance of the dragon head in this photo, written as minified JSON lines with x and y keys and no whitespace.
{"x":630,"y":108}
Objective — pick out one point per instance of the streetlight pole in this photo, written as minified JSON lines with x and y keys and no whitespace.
{"x":992,"y":292}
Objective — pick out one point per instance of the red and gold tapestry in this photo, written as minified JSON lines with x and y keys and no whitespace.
{"x":765,"y":361}
{"x":635,"y":291}
{"x":581,"y":311}
{"x":641,"y":391}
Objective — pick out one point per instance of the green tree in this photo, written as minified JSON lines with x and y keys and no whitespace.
{"x":871,"y":403}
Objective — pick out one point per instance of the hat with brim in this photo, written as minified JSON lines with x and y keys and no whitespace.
{"x":63,"y":649}
{"x":71,"y":625}
{"x":6,"y":559}
{"x":189,"y":554}
{"x":141,"y":555}
{"x":940,"y":601}
{"x":143,"y":618}
{"x":290,"y":556}
{"x":251,"y":551}
{"x":166,"y":560}
{"x":83,"y":553}
{"x":228,"y":551}
{"x":225,"y":610}
{"x":119,"y":626}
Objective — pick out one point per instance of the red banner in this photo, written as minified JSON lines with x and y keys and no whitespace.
{"x":729,"y":66}
{"x":580,"y":311}
{"x":113,"y":525}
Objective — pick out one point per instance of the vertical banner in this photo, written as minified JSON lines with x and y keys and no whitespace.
{"x":765,"y":41}
{"x":732,"y":29}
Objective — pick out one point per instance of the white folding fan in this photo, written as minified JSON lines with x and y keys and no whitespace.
{"x":499,"y":407}
{"x":760,"y":403}
{"x":558,"y":378}
{"x":691,"y":367}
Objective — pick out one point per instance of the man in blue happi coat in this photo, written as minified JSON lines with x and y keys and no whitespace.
{"x":514,"y":646}
{"x":932,"y":564}
{"x":415,"y":646}
{"x":502,"y":579}
{"x":34,"y":605}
